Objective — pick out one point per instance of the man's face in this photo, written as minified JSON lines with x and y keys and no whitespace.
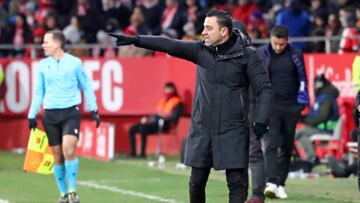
{"x":169,"y":92}
{"x":50,"y":45}
{"x":213,"y":34}
{"x":278,"y":44}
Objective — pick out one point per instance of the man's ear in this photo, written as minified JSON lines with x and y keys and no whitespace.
{"x":224,"y":31}
{"x":58,"y":44}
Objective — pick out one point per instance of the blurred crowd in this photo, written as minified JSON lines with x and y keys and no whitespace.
{"x":88,"y":22}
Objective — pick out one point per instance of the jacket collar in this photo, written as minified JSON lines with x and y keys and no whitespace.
{"x":234,"y":46}
{"x":226,"y":46}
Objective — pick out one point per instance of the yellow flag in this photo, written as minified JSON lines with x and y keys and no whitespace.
{"x":39,"y":156}
{"x":356,"y":72}
{"x":1,"y":75}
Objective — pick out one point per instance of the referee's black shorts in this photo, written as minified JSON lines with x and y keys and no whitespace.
{"x":59,"y":122}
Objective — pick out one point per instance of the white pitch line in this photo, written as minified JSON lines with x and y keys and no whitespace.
{"x":4,"y":201}
{"x":147,"y":180}
{"x":126,"y":192}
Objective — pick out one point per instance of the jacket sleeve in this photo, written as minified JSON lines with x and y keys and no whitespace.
{"x":260,"y":83}
{"x":187,"y":50}
{"x":324,"y":113}
{"x":303,"y":93}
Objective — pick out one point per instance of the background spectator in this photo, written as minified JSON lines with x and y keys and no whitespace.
{"x":73,"y":31}
{"x":318,"y":30}
{"x":45,"y":7}
{"x":174,"y":17}
{"x":151,"y":10}
{"x":349,"y":42}
{"x":90,"y":19}
{"x":303,"y":18}
{"x":63,"y":8}
{"x":169,"y":109}
{"x":36,"y":50}
{"x":19,"y":35}
{"x":333,"y":29}
{"x":297,"y":20}
{"x":117,"y":10}
{"x":243,"y":10}
{"x":195,"y":15}
{"x":50,"y":22}
{"x":322,"y":117}
{"x":136,"y":27}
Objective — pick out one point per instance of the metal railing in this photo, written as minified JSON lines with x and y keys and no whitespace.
{"x":327,"y":40}
{"x":331,"y":44}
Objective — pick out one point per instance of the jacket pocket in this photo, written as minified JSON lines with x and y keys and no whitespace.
{"x":233,"y":108}
{"x":195,"y":114}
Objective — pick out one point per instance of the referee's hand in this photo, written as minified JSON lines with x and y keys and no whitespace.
{"x":32,"y":123}
{"x":94,"y":116}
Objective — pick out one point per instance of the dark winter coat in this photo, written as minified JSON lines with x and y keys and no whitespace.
{"x":298,"y":60}
{"x":219,"y":131}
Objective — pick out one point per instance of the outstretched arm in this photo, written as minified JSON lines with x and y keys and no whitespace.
{"x":187,"y":50}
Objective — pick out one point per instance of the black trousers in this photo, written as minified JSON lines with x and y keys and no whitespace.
{"x":279,"y":142}
{"x":144,"y":130}
{"x":257,"y":167}
{"x":237,"y":181}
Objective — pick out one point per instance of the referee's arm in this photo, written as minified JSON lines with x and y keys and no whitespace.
{"x":38,"y":95}
{"x":86,"y":85}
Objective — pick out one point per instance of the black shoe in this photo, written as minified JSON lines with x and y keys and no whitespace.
{"x":314,"y":160}
{"x":73,"y":197}
{"x":337,"y":168}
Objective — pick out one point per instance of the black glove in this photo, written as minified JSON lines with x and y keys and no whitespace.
{"x":122,"y":40}
{"x":32,"y":123}
{"x":94,"y":116}
{"x":260,"y":129}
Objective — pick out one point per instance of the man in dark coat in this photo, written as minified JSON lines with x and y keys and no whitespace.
{"x":219,"y":132}
{"x":285,"y":65}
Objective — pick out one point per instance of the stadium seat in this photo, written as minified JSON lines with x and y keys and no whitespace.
{"x":353,"y":151}
{"x":171,"y":132}
{"x":330,"y":144}
{"x":170,"y":141}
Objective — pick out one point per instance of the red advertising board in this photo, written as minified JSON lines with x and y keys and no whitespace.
{"x":337,"y":68}
{"x":97,"y":143}
{"x":129,"y":88}
{"x":122,"y":87}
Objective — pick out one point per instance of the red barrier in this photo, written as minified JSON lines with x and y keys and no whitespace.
{"x":97,"y":143}
{"x":129,"y":88}
{"x":122,"y":87}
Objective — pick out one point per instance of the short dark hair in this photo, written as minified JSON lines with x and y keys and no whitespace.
{"x":223,"y":18}
{"x":279,"y":31}
{"x":171,"y":85}
{"x":59,"y":36}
